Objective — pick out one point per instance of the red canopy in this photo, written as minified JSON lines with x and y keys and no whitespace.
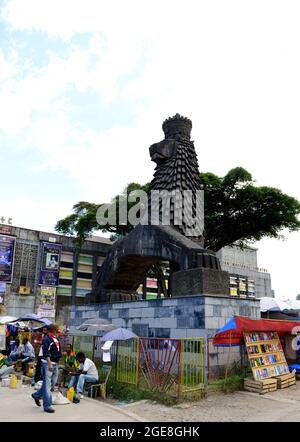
{"x":232,"y":332}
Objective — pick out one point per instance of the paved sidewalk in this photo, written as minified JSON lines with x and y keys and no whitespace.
{"x":281,"y":405}
{"x":16,"y":405}
{"x":242,"y":406}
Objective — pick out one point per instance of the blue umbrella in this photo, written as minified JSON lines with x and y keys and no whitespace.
{"x":46,"y":322}
{"x":34,"y":317}
{"x":29,"y":317}
{"x":119,"y":334}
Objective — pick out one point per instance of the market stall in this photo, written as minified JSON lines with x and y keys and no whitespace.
{"x":271,"y":347}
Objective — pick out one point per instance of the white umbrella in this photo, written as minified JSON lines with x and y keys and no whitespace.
{"x":294,"y":304}
{"x":96,"y":326}
{"x":268,"y":304}
{"x":119,"y":334}
{"x":7,"y":319}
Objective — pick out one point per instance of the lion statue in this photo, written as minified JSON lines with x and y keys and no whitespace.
{"x":176,"y":171}
{"x":129,"y":259}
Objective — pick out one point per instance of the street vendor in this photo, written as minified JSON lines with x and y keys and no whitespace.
{"x":25,"y":352}
{"x":15,"y":349}
{"x":70,"y":364}
{"x":6,"y":365}
{"x":70,"y":358}
{"x":87,"y":373}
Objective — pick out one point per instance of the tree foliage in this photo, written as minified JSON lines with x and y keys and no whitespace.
{"x":83,"y":222}
{"x":236,"y":212}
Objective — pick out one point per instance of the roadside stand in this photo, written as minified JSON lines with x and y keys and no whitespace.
{"x":270,"y":347}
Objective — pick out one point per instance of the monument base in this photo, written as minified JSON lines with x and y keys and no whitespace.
{"x":121,"y":295}
{"x":200,"y":281}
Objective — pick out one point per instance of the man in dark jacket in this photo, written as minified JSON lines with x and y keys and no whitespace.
{"x":51,"y":354}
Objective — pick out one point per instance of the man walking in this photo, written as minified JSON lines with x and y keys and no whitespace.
{"x":51,"y":354}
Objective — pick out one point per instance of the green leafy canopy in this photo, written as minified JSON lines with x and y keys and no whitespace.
{"x":236,"y":212}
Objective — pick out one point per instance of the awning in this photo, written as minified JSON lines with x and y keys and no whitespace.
{"x":232,"y":332}
{"x":268,"y":304}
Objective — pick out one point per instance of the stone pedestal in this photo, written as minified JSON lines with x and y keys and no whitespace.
{"x":121,"y":295}
{"x":200,"y":281}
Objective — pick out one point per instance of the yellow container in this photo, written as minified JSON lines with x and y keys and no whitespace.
{"x":103,"y":391}
{"x":30,"y":371}
{"x":13,"y":382}
{"x":70,"y":394}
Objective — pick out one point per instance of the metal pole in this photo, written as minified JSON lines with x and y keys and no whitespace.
{"x":74,"y":280}
{"x":228,"y":359}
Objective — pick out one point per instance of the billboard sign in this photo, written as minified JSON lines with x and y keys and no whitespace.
{"x":2,"y":337}
{"x":7,"y":250}
{"x":47,"y":298}
{"x":50,"y":261}
{"x":48,"y":314}
{"x":2,"y":291}
{"x":5,"y":230}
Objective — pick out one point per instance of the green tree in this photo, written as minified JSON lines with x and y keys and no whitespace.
{"x":82,"y":222}
{"x":236,"y":212}
{"x":239,"y":212}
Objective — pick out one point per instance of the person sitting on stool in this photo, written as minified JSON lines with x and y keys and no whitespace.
{"x":87,"y":373}
{"x":27,"y":353}
{"x":15,"y":349}
{"x":70,"y":364}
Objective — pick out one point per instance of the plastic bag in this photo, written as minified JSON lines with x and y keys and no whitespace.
{"x":59,"y":399}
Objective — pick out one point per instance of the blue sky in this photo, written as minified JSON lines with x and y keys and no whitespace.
{"x":86,"y":85}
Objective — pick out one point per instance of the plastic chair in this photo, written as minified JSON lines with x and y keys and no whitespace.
{"x":103,"y":372}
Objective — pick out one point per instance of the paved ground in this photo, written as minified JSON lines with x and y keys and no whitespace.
{"x":17,"y":405}
{"x":281,"y":405}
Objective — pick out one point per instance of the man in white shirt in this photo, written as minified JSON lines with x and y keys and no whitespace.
{"x":88,"y":373}
{"x":25,"y":351}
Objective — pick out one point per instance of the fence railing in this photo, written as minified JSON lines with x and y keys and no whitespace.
{"x":192,"y":376}
{"x":174,"y":367}
{"x":127,"y":357}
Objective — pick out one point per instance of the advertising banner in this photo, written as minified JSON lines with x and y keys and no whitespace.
{"x":2,"y":337}
{"x":2,"y":291}
{"x":7,"y":250}
{"x":50,"y":261}
{"x":48,"y":295}
{"x":46,"y":309}
{"x":48,"y":314}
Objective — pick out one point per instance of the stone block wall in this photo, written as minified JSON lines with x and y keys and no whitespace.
{"x":169,"y":318}
{"x":184,"y":317}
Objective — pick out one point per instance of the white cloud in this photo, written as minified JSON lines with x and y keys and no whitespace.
{"x":232,"y":67}
{"x":28,"y":212}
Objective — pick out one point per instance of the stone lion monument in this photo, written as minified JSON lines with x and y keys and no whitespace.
{"x":195,"y":270}
{"x":177,"y":171}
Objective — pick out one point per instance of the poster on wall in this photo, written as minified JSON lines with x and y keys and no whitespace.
{"x":47,"y":298}
{"x":2,"y":291}
{"x":2,"y":337}
{"x":7,"y":250}
{"x":44,"y":313}
{"x":50,"y":261}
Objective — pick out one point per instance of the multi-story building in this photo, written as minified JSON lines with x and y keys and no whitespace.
{"x":36,"y":265}
{"x":246,"y":278}
{"x":47,"y":270}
